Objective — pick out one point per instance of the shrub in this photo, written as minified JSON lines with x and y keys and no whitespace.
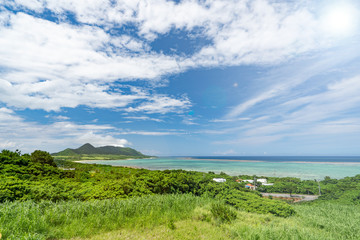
{"x":222,"y":212}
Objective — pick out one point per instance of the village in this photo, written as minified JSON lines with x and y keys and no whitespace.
{"x":251,"y":183}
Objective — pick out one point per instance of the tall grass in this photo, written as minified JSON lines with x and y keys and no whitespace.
{"x":172,"y":217}
{"x":48,"y":220}
{"x":341,"y":221}
{"x":314,"y":222}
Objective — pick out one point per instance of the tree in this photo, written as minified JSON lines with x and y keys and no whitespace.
{"x":42,"y":157}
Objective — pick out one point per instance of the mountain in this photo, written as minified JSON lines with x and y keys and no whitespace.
{"x":106,"y":150}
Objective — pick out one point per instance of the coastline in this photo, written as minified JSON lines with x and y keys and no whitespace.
{"x":93,"y":160}
{"x":301,"y":169}
{"x":134,"y":167}
{"x":333,"y":163}
{"x":244,"y":160}
{"x":227,"y":160}
{"x":125,"y":159}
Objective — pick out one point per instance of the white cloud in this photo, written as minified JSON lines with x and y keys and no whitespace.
{"x":50,"y":65}
{"x":61,"y":65}
{"x":229,"y":120}
{"x":17,"y":133}
{"x":162,"y":104}
{"x":58,"y":118}
{"x":102,"y":140}
{"x":189,"y":121}
{"x":35,"y":5}
{"x":151,"y":133}
{"x":238,"y":110}
{"x":260,"y":32}
{"x":144,"y":118}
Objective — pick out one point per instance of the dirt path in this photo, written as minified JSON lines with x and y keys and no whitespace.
{"x":287,"y":195}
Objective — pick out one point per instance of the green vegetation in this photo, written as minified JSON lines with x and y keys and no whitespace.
{"x":346,"y":190}
{"x":81,"y":157}
{"x":42,"y":157}
{"x":49,"y":220}
{"x":41,"y":201}
{"x":24,"y":179}
{"x":172,"y":217}
{"x":89,"y":152}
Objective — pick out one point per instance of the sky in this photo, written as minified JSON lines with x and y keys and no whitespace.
{"x":181,"y":78}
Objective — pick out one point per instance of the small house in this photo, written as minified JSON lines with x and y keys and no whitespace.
{"x":250,"y":186}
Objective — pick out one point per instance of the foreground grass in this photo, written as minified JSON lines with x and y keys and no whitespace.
{"x":317,"y":221}
{"x":172,"y":217}
{"x":184,"y":229}
{"x":48,"y":220}
{"x":324,"y":221}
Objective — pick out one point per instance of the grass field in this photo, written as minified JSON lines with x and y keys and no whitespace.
{"x":172,"y":217}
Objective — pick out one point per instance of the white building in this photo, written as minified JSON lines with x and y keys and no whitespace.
{"x":263,"y":181}
{"x":219,"y":179}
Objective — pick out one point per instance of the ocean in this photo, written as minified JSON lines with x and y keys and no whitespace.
{"x":284,"y":166}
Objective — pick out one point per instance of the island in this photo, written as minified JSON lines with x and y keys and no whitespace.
{"x":89,"y":152}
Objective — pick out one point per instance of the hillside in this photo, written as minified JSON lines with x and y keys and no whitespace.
{"x":109,"y":152}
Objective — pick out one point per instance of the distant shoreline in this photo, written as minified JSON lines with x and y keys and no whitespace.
{"x":302,"y":168}
{"x":244,"y":160}
{"x":80,"y":161}
{"x":335,"y":163}
{"x":229,"y":160}
{"x":214,"y":159}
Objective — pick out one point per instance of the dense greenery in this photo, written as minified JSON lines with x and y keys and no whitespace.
{"x":346,"y":190}
{"x":25,"y":179}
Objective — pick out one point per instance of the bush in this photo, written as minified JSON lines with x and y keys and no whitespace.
{"x":222,"y":212}
{"x":42,"y":157}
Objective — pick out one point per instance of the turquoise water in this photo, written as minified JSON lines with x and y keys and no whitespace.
{"x":302,"y":167}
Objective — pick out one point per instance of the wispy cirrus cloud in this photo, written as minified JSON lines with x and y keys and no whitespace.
{"x":162,"y":104}
{"x":283,"y":81}
{"x":153,"y":133}
{"x":144,"y":118}
{"x":328,"y":114}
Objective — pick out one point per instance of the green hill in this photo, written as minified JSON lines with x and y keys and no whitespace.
{"x":88,"y":151}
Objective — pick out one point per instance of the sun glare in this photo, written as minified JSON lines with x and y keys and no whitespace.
{"x":340,"y":20}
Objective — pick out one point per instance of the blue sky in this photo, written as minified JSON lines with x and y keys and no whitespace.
{"x":257,"y":77}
